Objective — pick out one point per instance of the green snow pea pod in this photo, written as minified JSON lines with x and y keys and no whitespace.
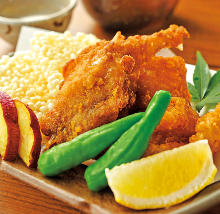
{"x":131,"y":145}
{"x":84,"y":147}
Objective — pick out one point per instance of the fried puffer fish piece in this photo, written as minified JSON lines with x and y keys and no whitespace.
{"x":208,"y":127}
{"x":102,"y":81}
{"x":162,"y":74}
{"x":175,"y":128}
{"x":89,"y":99}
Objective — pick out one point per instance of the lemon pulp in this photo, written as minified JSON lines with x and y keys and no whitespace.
{"x":163,"y":179}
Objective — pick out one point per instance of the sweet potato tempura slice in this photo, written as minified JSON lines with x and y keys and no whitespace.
{"x":208,"y":127}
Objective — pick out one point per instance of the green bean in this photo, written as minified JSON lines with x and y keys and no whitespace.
{"x":84,"y":147}
{"x":131,"y":145}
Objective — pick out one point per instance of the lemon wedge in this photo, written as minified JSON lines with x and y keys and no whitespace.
{"x":164,"y":179}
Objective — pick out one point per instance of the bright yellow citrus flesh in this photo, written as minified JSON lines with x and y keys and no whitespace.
{"x":163,"y":179}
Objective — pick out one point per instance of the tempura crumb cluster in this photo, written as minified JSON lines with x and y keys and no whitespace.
{"x":33,"y":77}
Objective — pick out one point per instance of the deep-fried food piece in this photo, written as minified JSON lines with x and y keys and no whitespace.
{"x":175,"y":128}
{"x":143,"y":47}
{"x":208,"y":127}
{"x":89,"y":99}
{"x":179,"y":119}
{"x":157,"y":148}
{"x":102,"y":81}
{"x":162,"y":74}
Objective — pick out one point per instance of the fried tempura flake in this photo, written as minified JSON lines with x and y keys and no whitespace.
{"x":102,"y":82}
{"x":208,"y":127}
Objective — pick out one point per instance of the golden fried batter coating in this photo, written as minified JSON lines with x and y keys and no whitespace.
{"x":208,"y":127}
{"x":89,"y":99}
{"x":175,"y":128}
{"x":179,"y":119}
{"x":155,"y":73}
{"x":102,"y":82}
{"x":162,"y":74}
{"x":157,"y":148}
{"x":143,"y":47}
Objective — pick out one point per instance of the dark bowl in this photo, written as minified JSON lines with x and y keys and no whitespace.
{"x":130,"y":14}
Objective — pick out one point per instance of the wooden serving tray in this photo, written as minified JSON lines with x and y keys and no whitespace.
{"x":71,"y":187}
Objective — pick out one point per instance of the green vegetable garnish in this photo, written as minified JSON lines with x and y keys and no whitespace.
{"x":131,"y":145}
{"x":84,"y":147}
{"x":206,"y":89}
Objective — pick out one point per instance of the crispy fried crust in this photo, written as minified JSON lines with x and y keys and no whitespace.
{"x":179,"y":119}
{"x":155,"y":73}
{"x":162,"y":74}
{"x":157,"y":148}
{"x":208,"y":127}
{"x":102,"y":82}
{"x":175,"y":128}
{"x":91,"y":96}
{"x":149,"y":45}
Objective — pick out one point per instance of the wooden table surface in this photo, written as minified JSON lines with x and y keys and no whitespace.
{"x":200,"y":17}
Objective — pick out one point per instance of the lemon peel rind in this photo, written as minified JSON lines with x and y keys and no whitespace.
{"x":174,"y":198}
